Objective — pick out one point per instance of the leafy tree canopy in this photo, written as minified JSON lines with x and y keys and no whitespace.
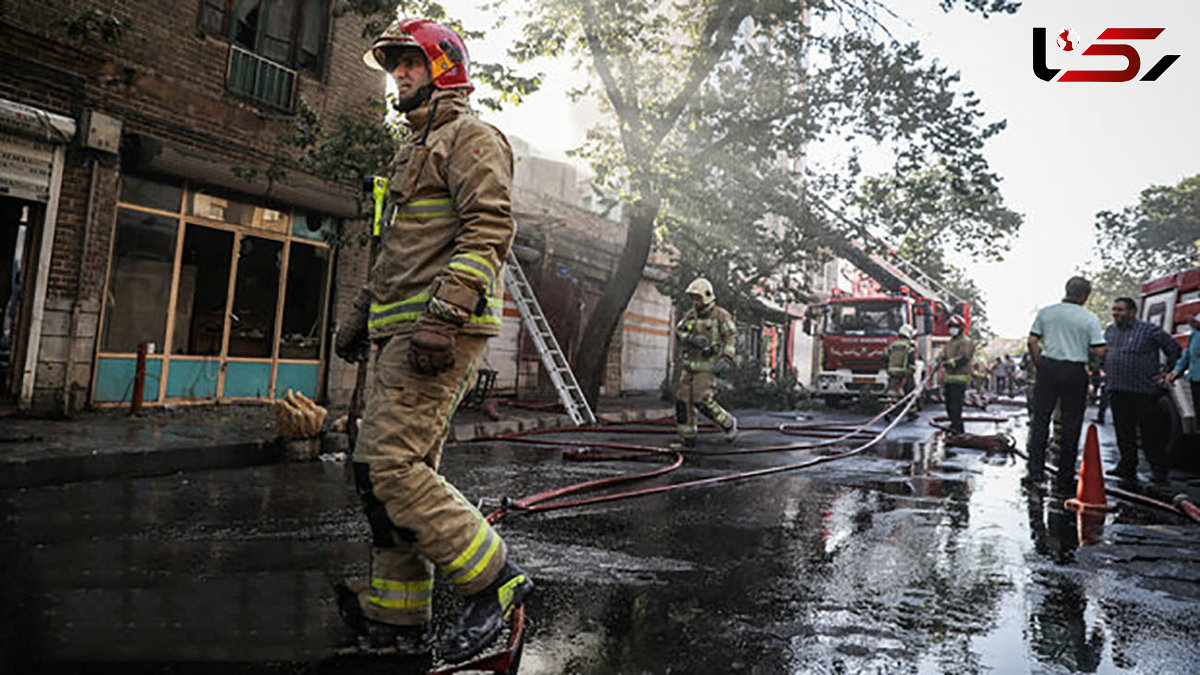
{"x":738,"y":130}
{"x":1158,"y":235}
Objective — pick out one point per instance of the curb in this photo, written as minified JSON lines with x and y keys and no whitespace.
{"x":141,"y":463}
{"x":153,"y":461}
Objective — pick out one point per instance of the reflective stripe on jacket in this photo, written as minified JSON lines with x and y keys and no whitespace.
{"x":957,"y":356}
{"x":900,"y":356}
{"x":717,"y":326}
{"x":452,"y":225}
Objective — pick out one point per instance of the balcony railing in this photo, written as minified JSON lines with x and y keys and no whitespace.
{"x":259,"y":79}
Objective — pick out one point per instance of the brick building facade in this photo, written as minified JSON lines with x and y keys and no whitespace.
{"x":135,"y":140}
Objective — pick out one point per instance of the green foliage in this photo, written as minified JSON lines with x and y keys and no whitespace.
{"x":93,"y":23}
{"x":749,"y":389}
{"x":380,"y":13}
{"x":1109,"y":283}
{"x":1158,"y":235}
{"x":352,"y":148}
{"x":712,"y":104}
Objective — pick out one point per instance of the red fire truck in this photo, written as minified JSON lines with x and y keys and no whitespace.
{"x":853,"y":331}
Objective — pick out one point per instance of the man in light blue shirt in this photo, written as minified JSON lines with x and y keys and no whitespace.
{"x":1060,"y":341}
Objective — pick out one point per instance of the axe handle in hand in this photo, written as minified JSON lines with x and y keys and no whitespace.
{"x":356,"y":404}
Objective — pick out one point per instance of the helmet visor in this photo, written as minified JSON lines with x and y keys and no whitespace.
{"x":390,"y":56}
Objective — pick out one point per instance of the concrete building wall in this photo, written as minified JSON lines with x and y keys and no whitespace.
{"x":647,"y":331}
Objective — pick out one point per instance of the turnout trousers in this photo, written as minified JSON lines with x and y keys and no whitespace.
{"x":696,"y":391}
{"x":418,"y":520}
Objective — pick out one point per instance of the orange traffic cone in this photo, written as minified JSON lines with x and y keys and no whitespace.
{"x":1090,"y":492}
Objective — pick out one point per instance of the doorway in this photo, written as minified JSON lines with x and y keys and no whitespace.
{"x":17,"y":242}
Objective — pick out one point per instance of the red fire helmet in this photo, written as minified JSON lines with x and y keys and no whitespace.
{"x":447,"y":54}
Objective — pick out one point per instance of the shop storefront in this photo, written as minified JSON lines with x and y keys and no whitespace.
{"x":228,"y":293}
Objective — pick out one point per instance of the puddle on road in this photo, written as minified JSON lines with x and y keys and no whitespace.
{"x":911,"y":560}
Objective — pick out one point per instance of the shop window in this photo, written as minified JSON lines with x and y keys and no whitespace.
{"x":256,"y":292}
{"x":300,"y":337}
{"x":151,"y":194}
{"x":203,"y":290}
{"x":139,"y":284}
{"x":289,"y":32}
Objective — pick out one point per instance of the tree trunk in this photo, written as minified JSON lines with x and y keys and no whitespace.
{"x":592,"y":358}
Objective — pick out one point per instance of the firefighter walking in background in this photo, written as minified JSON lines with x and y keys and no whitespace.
{"x":957,"y":357}
{"x":434,"y":299}
{"x":901,"y":367}
{"x":708,"y":341}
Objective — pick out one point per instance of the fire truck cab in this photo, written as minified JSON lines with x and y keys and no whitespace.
{"x":854,"y":333}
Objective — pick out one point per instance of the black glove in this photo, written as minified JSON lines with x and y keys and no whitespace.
{"x":351,"y":341}
{"x":431,"y":349}
{"x":723,"y":365}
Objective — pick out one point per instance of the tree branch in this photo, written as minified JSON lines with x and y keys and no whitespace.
{"x":627,"y":116}
{"x":717,"y":36}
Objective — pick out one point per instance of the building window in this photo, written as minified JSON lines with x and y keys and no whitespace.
{"x":231,"y":290}
{"x":139,"y":282}
{"x":203,"y":291}
{"x":288,"y":32}
{"x":308,"y":268}
{"x":255,"y":297}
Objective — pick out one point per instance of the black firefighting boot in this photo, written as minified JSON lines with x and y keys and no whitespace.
{"x":377,"y":637}
{"x":485,"y":613}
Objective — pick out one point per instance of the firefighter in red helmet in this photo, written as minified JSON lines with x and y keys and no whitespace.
{"x":434,"y":298}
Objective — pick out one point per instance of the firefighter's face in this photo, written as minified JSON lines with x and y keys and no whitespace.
{"x":697,"y":301}
{"x":410,"y":70}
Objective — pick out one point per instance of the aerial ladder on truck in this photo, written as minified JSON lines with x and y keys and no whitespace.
{"x":897,"y":275}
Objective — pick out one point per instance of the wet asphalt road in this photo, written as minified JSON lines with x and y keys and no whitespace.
{"x":908,"y":558}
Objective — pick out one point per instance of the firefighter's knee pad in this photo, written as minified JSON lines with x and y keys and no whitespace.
{"x":383,"y":532}
{"x":681,"y":412}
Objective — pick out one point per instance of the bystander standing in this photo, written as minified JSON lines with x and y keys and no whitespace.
{"x":1002,"y":371}
{"x":1134,"y":380}
{"x":1059,"y":342}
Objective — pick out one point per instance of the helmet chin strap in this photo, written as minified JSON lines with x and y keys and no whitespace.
{"x":415,"y":101}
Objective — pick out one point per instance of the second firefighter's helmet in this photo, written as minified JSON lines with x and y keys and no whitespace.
{"x":446,"y":51}
{"x":703,"y":289}
{"x":907,"y":331}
